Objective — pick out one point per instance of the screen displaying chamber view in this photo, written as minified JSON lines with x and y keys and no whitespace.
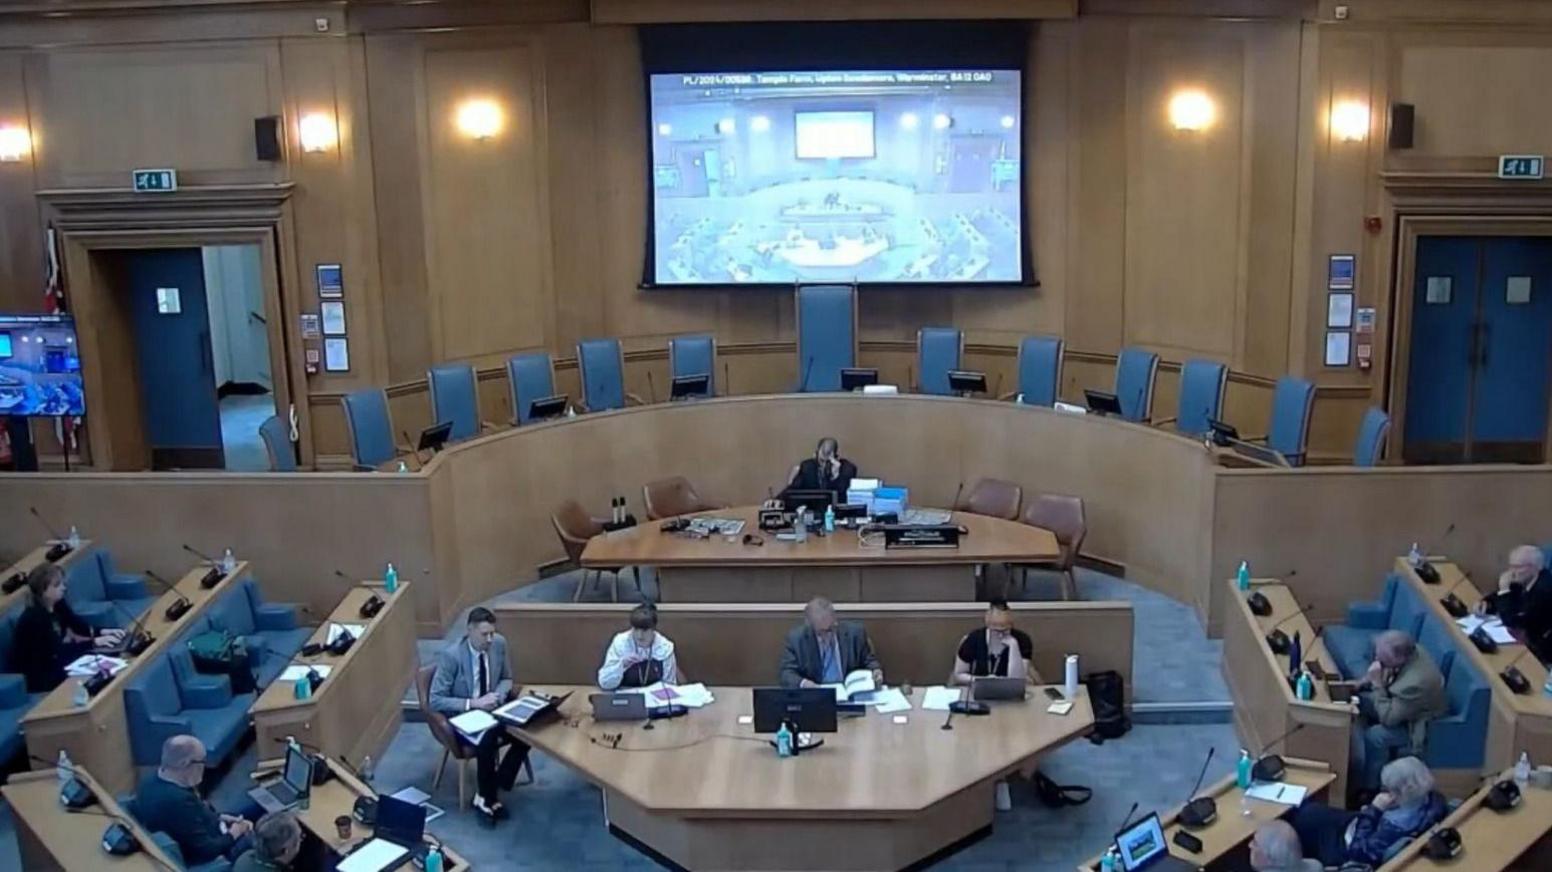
{"x":40,"y":366}
{"x":883,"y":176}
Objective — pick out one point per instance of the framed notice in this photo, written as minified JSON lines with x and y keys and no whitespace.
{"x":331,"y":281}
{"x":310,"y":329}
{"x":332,"y":313}
{"x":1341,"y":272}
{"x":336,"y":355}
{"x":1338,"y":348}
{"x":1339,"y":310}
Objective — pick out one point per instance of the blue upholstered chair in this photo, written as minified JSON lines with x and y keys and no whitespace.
{"x":103,"y":596}
{"x":1134,"y":377}
{"x":170,"y":847}
{"x":1352,"y":643}
{"x":15,"y":701}
{"x":529,"y":377}
{"x":938,"y":350}
{"x":269,"y":631}
{"x":602,"y":364}
{"x":1458,"y":740}
{"x":1371,"y":437}
{"x":827,"y":335}
{"x":1292,"y":401}
{"x":277,"y":444}
{"x":369,"y":428}
{"x":1202,"y":383}
{"x":1039,"y":370}
{"x":168,"y":697}
{"x":455,"y":397}
{"x":694,"y":356}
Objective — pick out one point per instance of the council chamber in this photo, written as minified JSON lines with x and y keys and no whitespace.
{"x":728,"y":435}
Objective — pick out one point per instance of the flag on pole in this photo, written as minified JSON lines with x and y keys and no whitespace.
{"x":54,"y":304}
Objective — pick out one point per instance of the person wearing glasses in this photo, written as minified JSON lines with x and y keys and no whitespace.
{"x":168,"y":801}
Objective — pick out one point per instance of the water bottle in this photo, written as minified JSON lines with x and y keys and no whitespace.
{"x":74,"y":541}
{"x":367,"y":770}
{"x":79,"y":696}
{"x":403,"y":467}
{"x":1107,"y":863}
{"x":65,"y":770}
{"x":800,"y":526}
{"x":1242,"y":770}
{"x":783,"y":741}
{"x":1415,"y":556}
{"x":390,"y":579}
{"x":1521,"y":769}
{"x":228,"y":561}
{"x":302,"y":688}
{"x":829,"y":520}
{"x":1546,"y":689}
{"x":434,"y":860}
{"x":1305,"y":686}
{"x":1242,"y":577}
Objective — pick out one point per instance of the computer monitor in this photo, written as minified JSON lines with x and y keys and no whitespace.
{"x":1260,"y":454}
{"x":856,"y":378}
{"x":547,"y":407}
{"x":433,"y":438}
{"x":1141,"y":843}
{"x":812,"y":709}
{"x":815,"y":500}
{"x":1102,"y":403}
{"x":400,"y":822}
{"x":40,"y":367}
{"x":690,"y":386}
{"x":5,"y":345}
{"x":965,"y":381}
{"x":1223,"y":433}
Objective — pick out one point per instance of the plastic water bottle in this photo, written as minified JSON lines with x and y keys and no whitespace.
{"x":1305,"y":686}
{"x":1521,"y":769}
{"x":783,"y":741}
{"x":228,"y":561}
{"x":391,"y":579}
{"x":1546,"y":689}
{"x":1415,"y":556}
{"x":403,"y":467}
{"x":302,"y":688}
{"x":1107,"y":863}
{"x":367,"y":769}
{"x":64,"y":770}
{"x":74,"y":540}
{"x":829,"y":520}
{"x":1242,"y":577}
{"x":434,"y":860}
{"x":79,"y":695}
{"x":800,"y":526}
{"x":1242,"y":770}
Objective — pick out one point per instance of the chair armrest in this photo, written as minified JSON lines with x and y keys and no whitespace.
{"x":1368,"y":616}
{"x":490,"y":425}
{"x":13,"y":690}
{"x":1162,"y":421}
{"x":1008,"y":396}
{"x":1260,"y":437}
{"x":634,"y":398}
{"x":124,"y":587}
{"x":274,"y":617}
{"x":206,"y":692}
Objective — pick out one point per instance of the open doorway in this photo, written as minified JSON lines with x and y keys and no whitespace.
{"x":239,"y":350}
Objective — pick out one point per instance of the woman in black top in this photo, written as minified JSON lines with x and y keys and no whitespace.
{"x":999,"y":650}
{"x":826,"y":470}
{"x":49,"y":634}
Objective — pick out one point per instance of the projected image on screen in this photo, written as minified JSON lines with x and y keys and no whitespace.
{"x":891,"y":176}
{"x":40,"y":366}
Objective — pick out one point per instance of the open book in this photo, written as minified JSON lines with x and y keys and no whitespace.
{"x":858,"y":686}
{"x":472,"y":724}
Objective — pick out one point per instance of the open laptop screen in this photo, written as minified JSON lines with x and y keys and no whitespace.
{"x":299,"y":771}
{"x":1141,"y":842}
{"x":400,"y":822}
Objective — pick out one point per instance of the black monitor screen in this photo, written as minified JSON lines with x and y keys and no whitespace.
{"x":40,"y":367}
{"x":812,"y":709}
{"x":815,"y":500}
{"x":400,"y":822}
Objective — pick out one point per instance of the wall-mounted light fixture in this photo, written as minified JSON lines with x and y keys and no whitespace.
{"x":15,"y":143}
{"x":1192,"y":110}
{"x":479,"y":119}
{"x":317,"y":132}
{"x":1350,"y":120}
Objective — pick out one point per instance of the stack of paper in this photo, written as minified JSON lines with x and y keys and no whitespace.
{"x":336,"y":629}
{"x":297,"y":673}
{"x":890,"y":700}
{"x":372,"y":856}
{"x":88,"y":665}
{"x":688,"y":695}
{"x":473,"y":723}
{"x":1493,"y":627}
{"x":938,"y":698}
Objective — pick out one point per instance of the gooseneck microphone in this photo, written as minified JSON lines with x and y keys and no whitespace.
{"x":1270,"y":767}
{"x":958,"y":491}
{"x":136,"y":639}
{"x":179,"y":607}
{"x":53,"y":533}
{"x":1199,"y":811}
{"x":215,"y":574}
{"x":1126,"y":821}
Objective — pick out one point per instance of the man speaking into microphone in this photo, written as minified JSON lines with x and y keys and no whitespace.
{"x":826,"y":470}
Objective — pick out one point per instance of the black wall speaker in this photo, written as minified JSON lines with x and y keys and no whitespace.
{"x":266,"y":137}
{"x":1402,"y":116}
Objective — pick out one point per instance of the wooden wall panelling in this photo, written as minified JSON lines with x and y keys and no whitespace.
{"x":1334,"y":423}
{"x":57,"y":26}
{"x":1304,"y":270}
{"x":21,"y":237}
{"x":573,"y":120}
{"x":658,"y":11}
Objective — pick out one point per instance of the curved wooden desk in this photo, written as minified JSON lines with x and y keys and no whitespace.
{"x":878,"y":795}
{"x":842,"y":565}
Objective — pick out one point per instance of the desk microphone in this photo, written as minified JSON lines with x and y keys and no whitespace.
{"x":136,"y":639}
{"x":651,"y":389}
{"x":807,"y":368}
{"x":1126,"y":821}
{"x":14,"y":583}
{"x":1276,"y":639}
{"x":1271,"y":767}
{"x":954,"y":506}
{"x":727,"y":381}
{"x":53,"y":533}
{"x":60,"y":546}
{"x":1201,"y":810}
{"x":179,"y":607}
{"x":215,"y":574}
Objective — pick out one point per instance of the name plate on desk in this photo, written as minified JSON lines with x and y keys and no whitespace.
{"x":921,"y":536}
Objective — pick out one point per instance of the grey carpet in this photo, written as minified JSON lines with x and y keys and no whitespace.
{"x":241,"y":416}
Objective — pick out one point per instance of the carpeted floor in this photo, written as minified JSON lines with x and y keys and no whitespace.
{"x":241,"y":416}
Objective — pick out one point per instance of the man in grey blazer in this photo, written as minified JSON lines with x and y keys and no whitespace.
{"x":823,"y":650}
{"x":472,"y":673}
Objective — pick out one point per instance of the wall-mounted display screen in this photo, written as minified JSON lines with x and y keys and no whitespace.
{"x":40,"y":367}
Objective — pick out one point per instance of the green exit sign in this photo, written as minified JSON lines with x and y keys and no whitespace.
{"x":1521,"y":166}
{"x":155,"y":181}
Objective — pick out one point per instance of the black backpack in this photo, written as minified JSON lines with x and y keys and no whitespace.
{"x":1107,"y":695}
{"x":1056,"y":795}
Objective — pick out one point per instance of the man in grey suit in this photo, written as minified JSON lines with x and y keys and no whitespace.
{"x":472,"y":673}
{"x":824,"y":650}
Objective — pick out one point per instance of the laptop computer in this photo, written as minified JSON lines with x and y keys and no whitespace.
{"x":1142,"y":846}
{"x":994,"y":688}
{"x":398,"y":838}
{"x":296,"y":781}
{"x":619,"y":706}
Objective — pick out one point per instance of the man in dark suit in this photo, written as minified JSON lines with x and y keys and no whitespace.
{"x":1524,"y":599}
{"x":472,"y":673}
{"x":826,"y":470}
{"x":824,"y":650}
{"x":168,"y":801}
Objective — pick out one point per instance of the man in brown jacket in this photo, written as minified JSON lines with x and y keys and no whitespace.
{"x":1401,"y":692}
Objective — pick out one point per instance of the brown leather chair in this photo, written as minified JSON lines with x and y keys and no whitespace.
{"x":451,"y":745}
{"x":668,"y":497}
{"x":575,"y":526}
{"x":1062,"y":515}
{"x":994,"y":498}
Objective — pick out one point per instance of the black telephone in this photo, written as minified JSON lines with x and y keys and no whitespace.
{"x":372,"y":606}
{"x":1484,"y":642}
{"x":1277,"y":640}
{"x":1187,"y":841}
{"x":1444,"y":844}
{"x":56,"y":551}
{"x":1516,"y":680}
{"x":1428,"y":573}
{"x":1260,"y":606}
{"x":675,"y":525}
{"x":1454,"y":606}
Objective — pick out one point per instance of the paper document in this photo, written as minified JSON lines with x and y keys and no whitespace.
{"x":855,"y":687}
{"x":297,"y":673}
{"x":335,"y":629}
{"x":938,"y":698}
{"x":1493,"y":627}
{"x":372,"y":857}
{"x":88,"y":665}
{"x":416,"y":796}
{"x":890,"y":700}
{"x":1277,"y":791}
{"x":660,"y":694}
{"x":473,"y":723}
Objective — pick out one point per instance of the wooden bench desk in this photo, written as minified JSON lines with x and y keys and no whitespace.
{"x":51,"y":838}
{"x":30,"y":561}
{"x":338,"y":797}
{"x":1516,"y":839}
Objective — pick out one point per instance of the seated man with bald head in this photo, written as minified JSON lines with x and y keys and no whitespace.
{"x":1275,"y":848}
{"x":168,"y":801}
{"x":1524,"y":599}
{"x":1401,"y":692}
{"x":824,"y":650}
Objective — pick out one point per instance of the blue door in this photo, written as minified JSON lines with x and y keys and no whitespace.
{"x":1481,"y":345}
{"x":179,"y":406}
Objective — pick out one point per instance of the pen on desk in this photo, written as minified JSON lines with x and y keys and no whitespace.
{"x":1280,"y":792}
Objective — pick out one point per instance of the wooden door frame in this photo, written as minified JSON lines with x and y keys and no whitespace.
{"x":1410,"y":228}
{"x":91,"y":221}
